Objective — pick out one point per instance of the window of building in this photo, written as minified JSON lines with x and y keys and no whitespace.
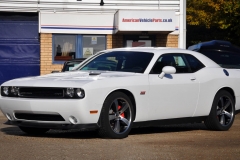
{"x":93,"y":44}
{"x":64,"y":47}
{"x":67,"y":47}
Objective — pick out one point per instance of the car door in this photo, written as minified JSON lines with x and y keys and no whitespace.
{"x":175,"y":95}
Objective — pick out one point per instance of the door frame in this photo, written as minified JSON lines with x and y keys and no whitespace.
{"x":139,"y":37}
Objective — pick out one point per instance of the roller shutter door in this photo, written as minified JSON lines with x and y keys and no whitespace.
{"x":19,"y":47}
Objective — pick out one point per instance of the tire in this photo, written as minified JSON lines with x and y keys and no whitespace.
{"x":222,"y":112}
{"x":34,"y":131}
{"x":116,"y":116}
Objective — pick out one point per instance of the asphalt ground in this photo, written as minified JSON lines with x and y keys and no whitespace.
{"x":188,"y":141}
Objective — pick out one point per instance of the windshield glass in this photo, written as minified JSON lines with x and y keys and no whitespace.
{"x":124,"y":61}
{"x":68,"y":66}
{"x":223,"y":58}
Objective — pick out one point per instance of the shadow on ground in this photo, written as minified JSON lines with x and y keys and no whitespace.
{"x":91,"y":134}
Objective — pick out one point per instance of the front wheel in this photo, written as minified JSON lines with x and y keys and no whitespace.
{"x":116,"y":116}
{"x":222,"y":113}
{"x":34,"y":131}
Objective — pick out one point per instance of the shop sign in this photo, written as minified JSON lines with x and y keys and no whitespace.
{"x":146,"y":20}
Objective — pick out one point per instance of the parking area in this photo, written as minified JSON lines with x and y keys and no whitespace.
{"x":188,"y":141}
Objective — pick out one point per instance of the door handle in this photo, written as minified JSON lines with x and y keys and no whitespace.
{"x":193,"y":78}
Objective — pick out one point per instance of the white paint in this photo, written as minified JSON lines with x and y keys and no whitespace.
{"x":76,"y":23}
{"x":174,"y":96}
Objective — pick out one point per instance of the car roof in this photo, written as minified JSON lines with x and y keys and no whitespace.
{"x":162,"y":50}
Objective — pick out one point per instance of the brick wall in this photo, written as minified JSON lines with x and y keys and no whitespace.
{"x":46,"y":65}
{"x":164,"y":40}
{"x":114,"y":41}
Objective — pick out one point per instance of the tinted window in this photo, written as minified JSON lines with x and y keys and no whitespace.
{"x":175,"y":60}
{"x":125,"y":61}
{"x":68,"y":66}
{"x":223,"y":58}
{"x":194,"y":63}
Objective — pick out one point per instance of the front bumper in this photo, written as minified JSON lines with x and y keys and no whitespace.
{"x":78,"y":108}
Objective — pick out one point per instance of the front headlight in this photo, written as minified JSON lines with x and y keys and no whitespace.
{"x":74,"y":93}
{"x":5,"y":91}
{"x":70,"y":92}
{"x":14,"y":91}
{"x":42,"y":92}
{"x":9,"y":91}
{"x":80,"y":93}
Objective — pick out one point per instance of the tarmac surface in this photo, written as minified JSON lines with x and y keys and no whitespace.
{"x":188,"y":141}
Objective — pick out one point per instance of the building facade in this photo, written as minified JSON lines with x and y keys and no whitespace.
{"x":70,"y":29}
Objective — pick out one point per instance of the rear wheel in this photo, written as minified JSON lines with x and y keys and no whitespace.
{"x":34,"y":131}
{"x":222,"y":113}
{"x":116,"y":116}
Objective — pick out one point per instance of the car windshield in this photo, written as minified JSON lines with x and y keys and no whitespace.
{"x":124,"y":61}
{"x":70,"y":65}
{"x":223,"y":58}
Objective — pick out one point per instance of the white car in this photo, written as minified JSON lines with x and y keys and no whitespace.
{"x":118,"y":89}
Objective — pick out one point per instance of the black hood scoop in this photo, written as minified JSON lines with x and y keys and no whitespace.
{"x":94,"y":73}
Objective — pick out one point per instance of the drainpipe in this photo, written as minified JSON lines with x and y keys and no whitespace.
{"x":182,"y":25}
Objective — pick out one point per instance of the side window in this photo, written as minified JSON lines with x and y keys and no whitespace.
{"x":175,"y":60}
{"x":194,"y":63}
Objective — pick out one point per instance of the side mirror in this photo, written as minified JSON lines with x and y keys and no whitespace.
{"x":167,"y":70}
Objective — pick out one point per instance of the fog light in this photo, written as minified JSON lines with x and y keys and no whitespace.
{"x":70,"y":92}
{"x":73,"y":120}
{"x":8,"y":117}
{"x":6,"y":91}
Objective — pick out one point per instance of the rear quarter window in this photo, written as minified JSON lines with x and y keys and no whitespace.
{"x":194,"y":63}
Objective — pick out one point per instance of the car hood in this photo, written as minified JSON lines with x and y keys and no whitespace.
{"x":66,"y":79}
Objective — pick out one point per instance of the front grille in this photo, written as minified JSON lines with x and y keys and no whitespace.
{"x":41,"y":92}
{"x":39,"y":117}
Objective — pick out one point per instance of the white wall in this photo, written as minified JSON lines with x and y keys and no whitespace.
{"x":93,"y":6}
{"x":86,"y":5}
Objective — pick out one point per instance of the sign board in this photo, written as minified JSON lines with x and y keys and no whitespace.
{"x":76,"y":23}
{"x":145,"y":20}
{"x":94,"y":40}
{"x":87,"y":52}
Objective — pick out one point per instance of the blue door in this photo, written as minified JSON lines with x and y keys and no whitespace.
{"x":19,"y":48}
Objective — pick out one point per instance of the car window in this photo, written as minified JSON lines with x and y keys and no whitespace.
{"x":174,"y":59}
{"x":194,"y":63}
{"x":125,"y":61}
{"x":223,"y":58}
{"x":68,"y":66}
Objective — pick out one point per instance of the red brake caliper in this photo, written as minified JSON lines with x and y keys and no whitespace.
{"x":119,"y":107}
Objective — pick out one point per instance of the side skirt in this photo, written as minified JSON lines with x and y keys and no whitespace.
{"x":169,"y":121}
